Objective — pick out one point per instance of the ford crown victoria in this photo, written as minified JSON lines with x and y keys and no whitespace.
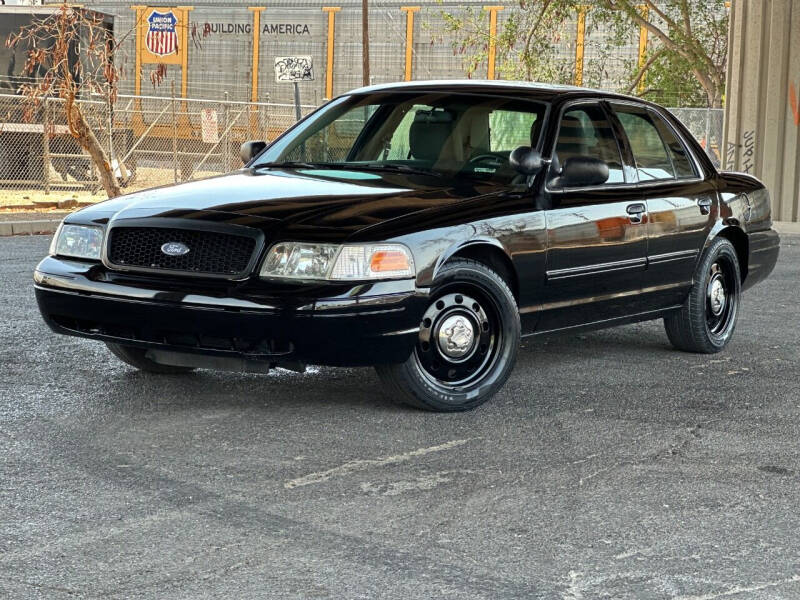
{"x":421,"y":228}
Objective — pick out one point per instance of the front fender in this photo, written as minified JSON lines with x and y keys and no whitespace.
{"x":469,"y":243}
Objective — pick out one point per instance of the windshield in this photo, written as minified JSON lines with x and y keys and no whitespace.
{"x":442,"y":135}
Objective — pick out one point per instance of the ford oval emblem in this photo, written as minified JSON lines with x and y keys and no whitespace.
{"x":175,"y":249}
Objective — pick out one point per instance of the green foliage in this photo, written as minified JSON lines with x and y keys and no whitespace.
{"x":686,"y":54}
{"x":670,"y":81}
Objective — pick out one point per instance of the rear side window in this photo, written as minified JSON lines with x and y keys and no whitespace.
{"x":652,"y":158}
{"x":658,"y":152}
{"x":677,"y":151}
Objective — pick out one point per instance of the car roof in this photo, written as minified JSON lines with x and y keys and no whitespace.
{"x":541,"y":91}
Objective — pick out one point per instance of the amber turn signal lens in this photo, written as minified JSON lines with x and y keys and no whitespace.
{"x":389,"y":260}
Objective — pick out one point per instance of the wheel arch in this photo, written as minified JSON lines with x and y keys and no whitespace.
{"x":741,"y":244}
{"x":489,"y":252}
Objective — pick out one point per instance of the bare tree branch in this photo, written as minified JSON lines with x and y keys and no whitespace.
{"x":643,"y":69}
{"x":51,"y":42}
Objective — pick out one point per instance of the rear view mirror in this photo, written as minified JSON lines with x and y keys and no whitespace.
{"x":579,"y":171}
{"x":249,"y":150}
{"x":526,"y":160}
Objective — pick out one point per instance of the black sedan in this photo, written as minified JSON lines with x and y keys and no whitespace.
{"x":422,"y":228}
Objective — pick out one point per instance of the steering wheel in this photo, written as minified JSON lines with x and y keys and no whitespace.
{"x":497,"y":160}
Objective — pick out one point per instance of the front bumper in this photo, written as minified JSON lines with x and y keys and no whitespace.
{"x":366,"y":325}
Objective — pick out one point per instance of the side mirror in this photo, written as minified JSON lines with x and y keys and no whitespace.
{"x":249,"y":150}
{"x":579,"y":171}
{"x":526,"y":160}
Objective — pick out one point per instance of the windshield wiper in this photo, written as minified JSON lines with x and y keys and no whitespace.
{"x":289,"y":164}
{"x":395,"y":169}
{"x":349,"y":167}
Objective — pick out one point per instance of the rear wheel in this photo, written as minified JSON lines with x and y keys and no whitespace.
{"x":707,"y":319}
{"x":135,"y":357}
{"x":467,"y":343}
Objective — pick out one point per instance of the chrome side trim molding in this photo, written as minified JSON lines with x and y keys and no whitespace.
{"x":670,"y":256}
{"x":598,"y":268}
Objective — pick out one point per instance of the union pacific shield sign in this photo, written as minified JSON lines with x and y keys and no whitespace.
{"x":162,"y":34}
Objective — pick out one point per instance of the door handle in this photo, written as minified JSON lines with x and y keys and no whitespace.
{"x":636,"y":211}
{"x":705,"y":205}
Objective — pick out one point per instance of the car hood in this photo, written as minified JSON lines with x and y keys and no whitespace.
{"x":314,"y":203}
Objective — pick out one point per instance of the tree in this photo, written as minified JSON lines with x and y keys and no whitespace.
{"x":70,"y":55}
{"x":685,"y":36}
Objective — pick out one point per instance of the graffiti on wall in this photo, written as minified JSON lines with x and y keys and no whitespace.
{"x":294,"y":68}
{"x":748,"y":146}
{"x":747,"y":143}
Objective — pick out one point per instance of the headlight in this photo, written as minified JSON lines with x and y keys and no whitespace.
{"x":350,"y":262}
{"x":77,"y":241}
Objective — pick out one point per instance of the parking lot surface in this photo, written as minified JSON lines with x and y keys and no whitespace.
{"x":610,"y":466}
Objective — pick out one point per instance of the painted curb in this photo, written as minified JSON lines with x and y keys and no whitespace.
{"x":787,"y":227}
{"x":48,"y":226}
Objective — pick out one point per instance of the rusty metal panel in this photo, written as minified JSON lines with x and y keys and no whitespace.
{"x":762,"y":112}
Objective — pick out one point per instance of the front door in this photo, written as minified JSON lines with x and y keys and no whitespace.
{"x":596,"y":234}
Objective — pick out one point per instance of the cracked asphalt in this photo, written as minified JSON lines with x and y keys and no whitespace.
{"x":610,"y":466}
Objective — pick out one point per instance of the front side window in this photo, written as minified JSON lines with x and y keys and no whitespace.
{"x":446,"y":135}
{"x":585,"y":133}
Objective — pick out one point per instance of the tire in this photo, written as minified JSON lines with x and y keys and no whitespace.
{"x":707,"y":319}
{"x":467,"y":346}
{"x":135,"y":357}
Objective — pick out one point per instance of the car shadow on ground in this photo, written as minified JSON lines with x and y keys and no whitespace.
{"x":360,"y":387}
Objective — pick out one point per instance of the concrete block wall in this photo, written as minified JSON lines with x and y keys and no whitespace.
{"x":762,"y":112}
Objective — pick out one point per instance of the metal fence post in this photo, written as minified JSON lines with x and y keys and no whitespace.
{"x":110,"y":125}
{"x":174,"y":136}
{"x":226,"y":159}
{"x":46,"y":146}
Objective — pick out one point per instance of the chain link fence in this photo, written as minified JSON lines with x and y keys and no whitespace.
{"x":705,"y":125}
{"x":156,"y":141}
{"x":151,"y":141}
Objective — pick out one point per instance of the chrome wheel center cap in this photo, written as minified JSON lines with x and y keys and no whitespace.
{"x":456,"y":336}
{"x":716,"y":296}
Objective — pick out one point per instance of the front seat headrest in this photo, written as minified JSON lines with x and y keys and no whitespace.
{"x":429,"y":132}
{"x":571,"y":140}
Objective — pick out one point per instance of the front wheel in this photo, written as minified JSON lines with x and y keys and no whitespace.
{"x":136,"y":357}
{"x":467,"y":344}
{"x":706,"y":321}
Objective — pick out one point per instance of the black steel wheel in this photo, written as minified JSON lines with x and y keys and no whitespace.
{"x":707,"y":319}
{"x":467,"y":342}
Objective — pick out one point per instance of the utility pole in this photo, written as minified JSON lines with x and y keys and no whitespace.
{"x":365,"y":41}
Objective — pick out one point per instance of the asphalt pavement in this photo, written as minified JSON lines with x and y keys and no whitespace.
{"x":610,"y":466}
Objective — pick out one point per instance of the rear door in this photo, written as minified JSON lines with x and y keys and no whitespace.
{"x":596,"y":235}
{"x":681,"y":202}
